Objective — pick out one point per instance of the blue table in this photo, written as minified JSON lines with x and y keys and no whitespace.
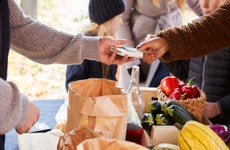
{"x":48,"y":110}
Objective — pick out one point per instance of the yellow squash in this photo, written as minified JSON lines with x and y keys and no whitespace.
{"x":197,"y":136}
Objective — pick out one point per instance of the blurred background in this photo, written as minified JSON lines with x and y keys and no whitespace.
{"x":48,"y":81}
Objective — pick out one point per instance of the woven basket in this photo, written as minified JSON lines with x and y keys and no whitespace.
{"x":194,"y":105}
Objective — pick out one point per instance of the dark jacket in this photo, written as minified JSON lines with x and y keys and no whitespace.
{"x":212,"y":74}
{"x":160,"y":73}
{"x":4,"y":46}
{"x":175,"y":68}
{"x":4,"y":37}
{"x":88,"y":69}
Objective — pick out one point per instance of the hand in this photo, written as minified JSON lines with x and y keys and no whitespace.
{"x":154,"y":47}
{"x":108,"y":57}
{"x":211,"y":110}
{"x":32,"y":117}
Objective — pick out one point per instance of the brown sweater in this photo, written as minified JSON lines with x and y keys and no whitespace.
{"x":209,"y":34}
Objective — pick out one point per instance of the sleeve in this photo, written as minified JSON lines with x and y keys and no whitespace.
{"x":13,"y":106}
{"x":46,"y":45}
{"x":207,"y":35}
{"x":195,"y":6}
{"x":125,"y":29}
{"x":224,"y":104}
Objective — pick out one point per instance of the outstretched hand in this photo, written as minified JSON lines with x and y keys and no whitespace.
{"x":108,"y":57}
{"x":154,"y":47}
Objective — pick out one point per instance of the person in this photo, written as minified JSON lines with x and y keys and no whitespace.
{"x":211,"y":74}
{"x":105,"y":19}
{"x":149,"y":16}
{"x":209,"y":34}
{"x":45,"y":45}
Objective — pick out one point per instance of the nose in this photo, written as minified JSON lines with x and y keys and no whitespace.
{"x":204,"y":3}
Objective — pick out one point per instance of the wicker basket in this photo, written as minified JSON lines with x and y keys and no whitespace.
{"x":195,"y":105}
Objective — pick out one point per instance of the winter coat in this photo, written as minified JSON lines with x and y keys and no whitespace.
{"x":4,"y":38}
{"x":212,"y":75}
{"x":89,"y":69}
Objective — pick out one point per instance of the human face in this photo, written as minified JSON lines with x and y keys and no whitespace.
{"x":209,"y":6}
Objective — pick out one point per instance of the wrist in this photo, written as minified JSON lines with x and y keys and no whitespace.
{"x":218,"y":108}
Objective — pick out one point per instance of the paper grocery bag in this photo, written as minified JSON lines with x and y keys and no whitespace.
{"x":99,"y":105}
{"x":108,"y":144}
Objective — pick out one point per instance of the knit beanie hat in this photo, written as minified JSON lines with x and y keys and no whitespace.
{"x":101,"y":11}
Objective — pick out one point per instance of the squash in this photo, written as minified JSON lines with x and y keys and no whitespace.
{"x":178,"y":114}
{"x":166,"y":146}
{"x":197,"y":136}
{"x":147,"y":122}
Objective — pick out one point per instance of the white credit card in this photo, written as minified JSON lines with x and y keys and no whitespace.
{"x":131,"y":52}
{"x":39,"y":127}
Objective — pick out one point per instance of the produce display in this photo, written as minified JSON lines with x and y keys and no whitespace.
{"x":175,"y":89}
{"x":197,"y":136}
{"x":193,"y":135}
{"x":181,"y":104}
{"x":186,"y":94}
{"x":222,"y":131}
{"x":166,"y":113}
{"x":166,"y":146}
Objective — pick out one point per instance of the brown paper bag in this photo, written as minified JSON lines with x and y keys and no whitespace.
{"x":99,"y":105}
{"x":108,"y":144}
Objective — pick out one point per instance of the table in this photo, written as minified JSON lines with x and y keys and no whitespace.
{"x":48,"y":110}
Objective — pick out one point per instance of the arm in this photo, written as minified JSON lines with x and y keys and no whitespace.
{"x":202,"y":37}
{"x":14,"y":107}
{"x":33,"y":40}
{"x":46,"y":45}
{"x":125,"y":29}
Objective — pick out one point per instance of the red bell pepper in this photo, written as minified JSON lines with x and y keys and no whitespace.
{"x":190,"y":91}
{"x":195,"y":92}
{"x":168,"y":84}
{"x":176,"y":94}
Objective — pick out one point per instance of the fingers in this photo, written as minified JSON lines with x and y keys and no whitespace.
{"x":155,"y":47}
{"x":211,"y":109}
{"x":112,"y":58}
{"x":145,"y":45}
{"x":32,"y":117}
{"x":125,"y":59}
{"x":149,"y":36}
{"x":120,"y":42}
{"x":116,"y":59}
{"x":150,"y":57}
